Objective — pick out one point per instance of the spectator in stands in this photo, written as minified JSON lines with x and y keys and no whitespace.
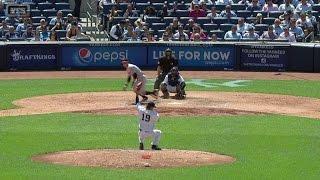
{"x":113,"y":13}
{"x":165,"y":37}
{"x":23,"y":26}
{"x":214,"y":38}
{"x":250,"y":35}
{"x":117,"y":31}
{"x":254,"y":6}
{"x":304,"y":22}
{"x":139,"y":27}
{"x":11,"y":34}
{"x":287,"y":35}
{"x":232,"y":34}
{"x":196,"y":37}
{"x":269,"y":35}
{"x":208,"y":2}
{"x":42,"y":30}
{"x":181,"y":35}
{"x":277,"y":27}
{"x":129,"y":34}
{"x":11,"y":20}
{"x":297,"y":31}
{"x":149,"y":37}
{"x":57,"y":19}
{"x":197,"y":30}
{"x":129,"y":12}
{"x":204,"y":7}
{"x":3,"y":28}
{"x":286,"y":19}
{"x":74,"y":33}
{"x":164,"y":12}
{"x":150,"y":11}
{"x":244,"y":2}
{"x":269,"y":7}
{"x":77,"y":7}
{"x":224,"y":2}
{"x":228,"y":13}
{"x":28,"y":34}
{"x":242,"y":27}
{"x":169,"y":31}
{"x":53,"y":36}
{"x":197,"y":12}
{"x":189,"y":27}
{"x":175,"y":25}
{"x":304,"y":6}
{"x":69,"y":19}
{"x":258,"y":20}
{"x":313,"y":21}
{"x":286,"y":6}
{"x":57,"y":26}
{"x":2,"y":11}
{"x":213,"y":13}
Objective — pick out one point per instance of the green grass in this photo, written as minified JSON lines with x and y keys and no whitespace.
{"x":266,"y":147}
{"x":11,"y":90}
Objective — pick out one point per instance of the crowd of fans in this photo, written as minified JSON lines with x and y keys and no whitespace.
{"x":60,"y":27}
{"x":295,"y":21}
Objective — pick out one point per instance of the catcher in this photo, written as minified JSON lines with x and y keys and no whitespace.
{"x":173,"y":83}
{"x":139,"y":81}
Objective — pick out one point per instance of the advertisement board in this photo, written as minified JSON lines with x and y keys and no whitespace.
{"x":196,"y":56}
{"x":102,"y":55}
{"x":264,"y":57}
{"x":2,"y":57}
{"x":316,"y":58}
{"x":32,"y":56}
{"x":301,"y":57}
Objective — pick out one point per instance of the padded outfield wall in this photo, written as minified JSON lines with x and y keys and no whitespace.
{"x":247,"y":56}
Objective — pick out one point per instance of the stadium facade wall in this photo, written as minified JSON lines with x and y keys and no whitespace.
{"x":195,"y":56}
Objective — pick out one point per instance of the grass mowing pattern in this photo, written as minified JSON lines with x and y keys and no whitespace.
{"x":266,"y":147}
{"x":16,"y":89}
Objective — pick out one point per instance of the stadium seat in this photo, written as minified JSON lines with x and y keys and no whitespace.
{"x":225,"y":27}
{"x":269,"y":20}
{"x":243,"y":13}
{"x":158,"y":26}
{"x":220,"y":7}
{"x":66,"y":11}
{"x":250,"y":19}
{"x":234,"y":20}
{"x":261,"y":28}
{"x":275,"y":14}
{"x":159,"y":33}
{"x":168,"y":20}
{"x":264,"y":14}
{"x":202,"y":20}
{"x":220,"y":20}
{"x":219,"y":33}
{"x":37,"y":19}
{"x":60,"y":6}
{"x":61,"y":34}
{"x":35,"y":12}
{"x":117,"y":20}
{"x":58,"y":1}
{"x":316,"y":7}
{"x":46,"y":5}
{"x":31,"y":4}
{"x":132,"y":19}
{"x":157,"y":6}
{"x":122,"y":6}
{"x":237,"y":7}
{"x":184,"y":20}
{"x":210,"y":27}
{"x":182,"y":13}
{"x":49,"y":12}
{"x":151,"y":20}
{"x":183,"y":6}
{"x":107,"y":8}
{"x":141,"y":6}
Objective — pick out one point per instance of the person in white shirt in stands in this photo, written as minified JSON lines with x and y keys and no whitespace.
{"x":224,"y":2}
{"x":242,"y":26}
{"x":286,"y":6}
{"x":117,"y":31}
{"x":148,"y":117}
{"x":287,"y":35}
{"x":269,"y":6}
{"x":208,"y":2}
{"x":181,"y":35}
{"x":250,"y":35}
{"x":276,"y":26}
{"x":304,"y":6}
{"x":233,"y":34}
{"x":269,"y":35}
{"x":213,"y":13}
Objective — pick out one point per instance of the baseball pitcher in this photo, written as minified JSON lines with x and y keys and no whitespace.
{"x":148,"y":116}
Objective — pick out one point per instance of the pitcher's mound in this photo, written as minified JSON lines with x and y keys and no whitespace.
{"x":117,"y":158}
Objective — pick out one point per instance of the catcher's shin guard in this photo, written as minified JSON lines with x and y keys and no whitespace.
{"x":164,"y":90}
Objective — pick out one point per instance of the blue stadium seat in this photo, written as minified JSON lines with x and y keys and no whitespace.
{"x":220,"y":20}
{"x":45,"y":5}
{"x":157,"y":6}
{"x":35,"y":12}
{"x":219,"y":33}
{"x":182,"y":13}
{"x":261,"y":28}
{"x":61,"y":34}
{"x":250,"y":19}
{"x":158,"y":26}
{"x":107,"y":8}
{"x":123,"y":6}
{"x":243,"y":13}
{"x":210,"y":27}
{"x":225,"y":27}
{"x":58,"y":1}
{"x":269,"y":20}
{"x":275,"y":14}
{"x":36,"y":19}
{"x":220,"y":7}
{"x":183,"y":6}
{"x":168,"y":20}
{"x":151,"y":20}
{"x":316,"y":7}
{"x":237,"y":7}
{"x":117,"y":20}
{"x":203,"y":20}
{"x":60,"y":6}
{"x":160,"y":32}
{"x":49,"y":12}
{"x":234,"y":20}
{"x":141,"y":6}
{"x":183,"y":20}
{"x":66,"y":11}
{"x":264,"y":14}
{"x":31,"y":4}
{"x":132,"y":19}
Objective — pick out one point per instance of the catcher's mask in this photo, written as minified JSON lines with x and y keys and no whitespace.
{"x":151,"y":105}
{"x":174,"y":71}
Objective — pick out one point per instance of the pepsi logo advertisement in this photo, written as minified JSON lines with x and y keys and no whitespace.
{"x":102,"y":55}
{"x":31,"y":57}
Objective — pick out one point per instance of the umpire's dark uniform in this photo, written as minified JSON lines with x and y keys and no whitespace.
{"x":166,"y":63}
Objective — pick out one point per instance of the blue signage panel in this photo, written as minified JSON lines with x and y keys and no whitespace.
{"x":102,"y":55}
{"x":32,"y":56}
{"x":198,"y":56}
{"x":264,"y":57}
